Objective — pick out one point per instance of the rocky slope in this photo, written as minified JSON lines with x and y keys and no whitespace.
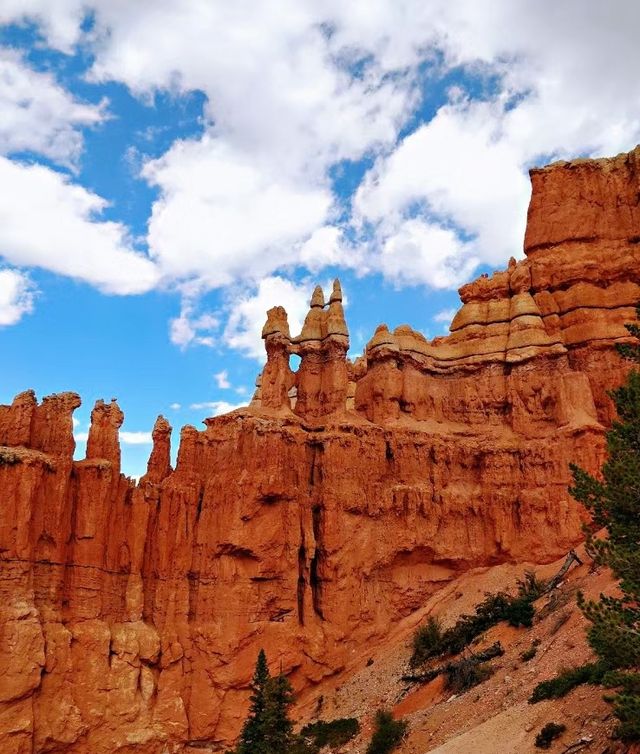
{"x":334,"y":506}
{"x":494,"y":717}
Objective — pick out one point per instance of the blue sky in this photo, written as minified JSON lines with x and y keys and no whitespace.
{"x":170,"y":170}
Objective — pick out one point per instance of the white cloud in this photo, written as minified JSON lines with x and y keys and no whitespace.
{"x":59,"y":20}
{"x":454,"y":174}
{"x":38,"y":114}
{"x":245,"y":219}
{"x":248,"y":312}
{"x":222,"y":379}
{"x":325,"y":248}
{"x":217,"y":407}
{"x":17,"y":293}
{"x":191,"y":328}
{"x":461,"y":176}
{"x":444,"y":315}
{"x":294,"y":88}
{"x":126,"y":438}
{"x":135,"y":438}
{"x":282,"y":107}
{"x":417,"y":252}
{"x":47,"y":221}
{"x":466,"y":169}
{"x":175,"y":406}
{"x":278,"y":85}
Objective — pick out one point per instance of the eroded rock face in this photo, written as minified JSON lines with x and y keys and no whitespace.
{"x":309,"y":522}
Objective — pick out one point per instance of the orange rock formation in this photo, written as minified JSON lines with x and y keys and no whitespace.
{"x":337,"y":502}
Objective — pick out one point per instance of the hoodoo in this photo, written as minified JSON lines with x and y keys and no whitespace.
{"x":336,"y":503}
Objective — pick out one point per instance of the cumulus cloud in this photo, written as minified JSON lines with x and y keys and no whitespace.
{"x":192,"y":327}
{"x":222,"y":379}
{"x":295,"y":90}
{"x":438,"y":212}
{"x":216,"y":407}
{"x":245,"y":220}
{"x":126,"y":438}
{"x":17,"y":294}
{"x":466,"y":169}
{"x":135,"y":438}
{"x":46,"y":221}
{"x":248,"y":312}
{"x":38,"y":114}
{"x":444,"y":315}
{"x":451,"y":195}
{"x":326,"y":248}
{"x":418,"y":252}
{"x":59,"y":20}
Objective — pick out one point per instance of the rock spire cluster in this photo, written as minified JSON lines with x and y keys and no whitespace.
{"x":320,"y":385}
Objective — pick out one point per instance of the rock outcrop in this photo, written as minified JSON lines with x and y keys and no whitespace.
{"x":337,"y":502}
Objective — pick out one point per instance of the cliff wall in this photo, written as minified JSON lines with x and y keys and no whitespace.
{"x":336,"y":503}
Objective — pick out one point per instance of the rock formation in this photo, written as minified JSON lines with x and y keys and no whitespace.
{"x":337,"y":502}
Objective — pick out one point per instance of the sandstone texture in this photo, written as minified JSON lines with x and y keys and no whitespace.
{"x":336,"y":504}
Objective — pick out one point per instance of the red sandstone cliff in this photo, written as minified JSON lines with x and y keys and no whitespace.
{"x":336,"y":503}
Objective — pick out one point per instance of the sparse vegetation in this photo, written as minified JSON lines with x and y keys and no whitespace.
{"x":333,"y":734}
{"x":464,"y":675}
{"x":548,"y":735}
{"x":387,"y":734}
{"x":566,"y":680}
{"x":528,"y":654}
{"x":531,"y":587}
{"x":431,"y":641}
{"x":427,"y":642}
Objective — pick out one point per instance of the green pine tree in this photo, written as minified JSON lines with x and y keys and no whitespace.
{"x":268,"y":729}
{"x":252,"y":736}
{"x":614,"y":504}
{"x":278,"y":728}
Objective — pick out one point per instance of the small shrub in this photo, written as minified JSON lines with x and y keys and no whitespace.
{"x":548,"y":734}
{"x":462,"y":676}
{"x":528,"y":654}
{"x":388,"y":733}
{"x":566,"y":680}
{"x":427,"y":641}
{"x":431,"y":641}
{"x":520,"y":612}
{"x":530,"y":587}
{"x":334,"y":734}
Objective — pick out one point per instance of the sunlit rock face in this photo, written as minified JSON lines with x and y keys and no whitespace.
{"x":311,"y":521}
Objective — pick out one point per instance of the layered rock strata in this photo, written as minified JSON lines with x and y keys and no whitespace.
{"x":311,"y":521}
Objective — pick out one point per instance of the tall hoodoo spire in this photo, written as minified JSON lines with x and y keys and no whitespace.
{"x":321,"y":383}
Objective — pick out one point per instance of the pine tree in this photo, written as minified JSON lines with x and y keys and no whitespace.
{"x":278,"y":728}
{"x":252,"y":738}
{"x":614,"y":504}
{"x":268,"y":729}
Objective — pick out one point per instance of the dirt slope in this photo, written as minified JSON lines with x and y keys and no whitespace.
{"x":494,"y":717}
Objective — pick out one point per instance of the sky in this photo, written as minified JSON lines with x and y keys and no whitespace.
{"x":170,"y":169}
